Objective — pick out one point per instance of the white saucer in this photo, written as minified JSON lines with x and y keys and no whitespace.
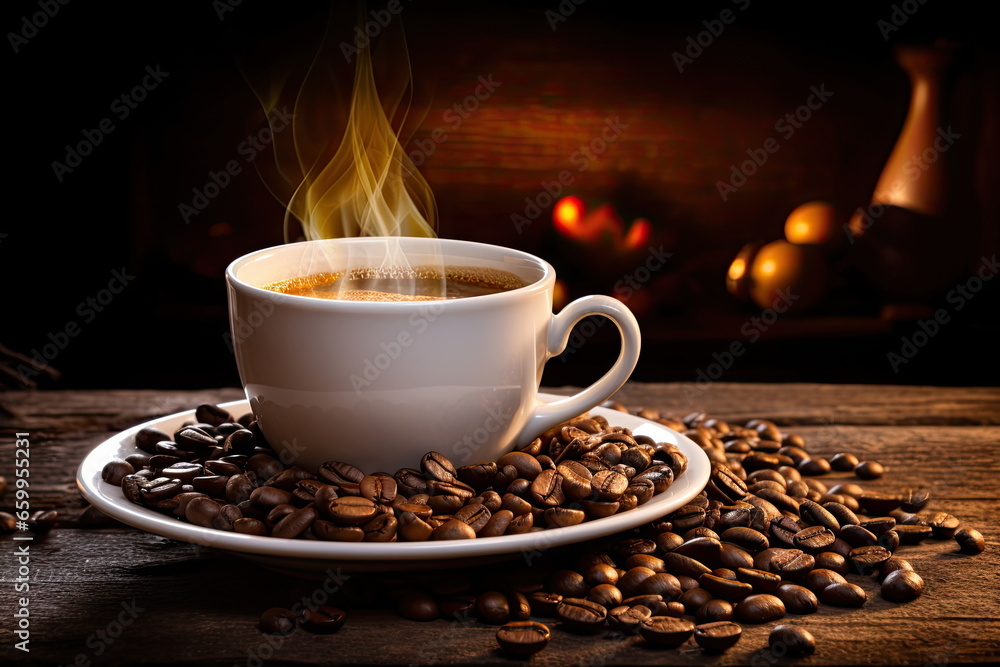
{"x":303,"y":557}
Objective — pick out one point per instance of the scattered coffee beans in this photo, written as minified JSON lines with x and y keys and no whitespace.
{"x":764,"y":538}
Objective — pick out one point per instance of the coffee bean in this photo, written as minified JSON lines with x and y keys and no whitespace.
{"x":666,"y":630}
{"x":546,"y":489}
{"x":628,"y":618}
{"x":527,"y":466}
{"x":724,"y":485}
{"x":668,"y":541}
{"x":792,"y":563}
{"x":248,"y":526}
{"x":323,"y":620}
{"x":746,"y":538}
{"x":913,"y":534}
{"x":868,"y":559}
{"x":902,"y":586}
{"x":760,"y":608}
{"x":726,"y":589}
{"x":498,"y":523}
{"x":277,"y":621}
{"x":819,"y":579}
{"x":417,"y":605}
{"x":814,"y":467}
{"x":347,"y":511}
{"x":42,"y":521}
{"x":714,"y":610}
{"x":114,"y":471}
{"x":663,"y":584}
{"x":609,"y":596}
{"x":843,"y":595}
{"x":581,"y":613}
{"x":694,"y":598}
{"x":817,"y":515}
{"x":227,"y":517}
{"x":869,"y":470}
{"x":436,"y":466}
{"x":453,"y":529}
{"x":943,"y":525}
{"x":856,"y":536}
{"x":759,"y":580}
{"x":797,"y":599}
{"x":8,"y":523}
{"x":717,"y":637}
{"x":783,"y":530}
{"x":970,"y":541}
{"x":544,"y":603}
{"x":338,"y":472}
{"x":828,"y":560}
{"x":843,"y":514}
{"x":568,"y":583}
{"x":522,"y":638}
{"x":814,"y":539}
{"x":791,"y":641}
{"x":844,"y":462}
{"x":241,"y":441}
{"x":479,"y":476}
{"x":680,"y":564}
{"x":609,"y":485}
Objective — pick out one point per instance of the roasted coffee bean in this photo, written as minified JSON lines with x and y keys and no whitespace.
{"x":819,"y":579}
{"x":724,"y":485}
{"x":269,"y":496}
{"x":688,"y":517}
{"x":600,"y":573}
{"x":694,"y":598}
{"x":791,"y":640}
{"x":378,"y":489}
{"x":479,"y":476}
{"x":792,"y":563}
{"x":348,"y":511}
{"x":714,"y":610}
{"x":759,"y":580}
{"x":842,"y":513}
{"x":609,"y":485}
{"x":844,"y":462}
{"x":725,"y":589}
{"x":527,"y":466}
{"x":417,"y":605}
{"x":783,"y":530}
{"x":474,"y":514}
{"x":226,"y":518}
{"x":902,"y":586}
{"x":856,"y":536}
{"x":666,"y":630}
{"x":277,"y":621}
{"x":521,"y":524}
{"x":114,"y":471}
{"x":560,"y":517}
{"x":814,"y":539}
{"x":746,"y":538}
{"x":760,"y":608}
{"x":194,"y":439}
{"x":147,"y":437}
{"x":323,"y":620}
{"x":338,"y":472}
{"x":544,"y":603}
{"x":523,"y":638}
{"x":608,"y":595}
{"x":160,"y":489}
{"x":663,"y":584}
{"x":546,"y":489}
{"x":436,"y":466}
{"x":240,"y":441}
{"x":568,"y":583}
{"x":631,"y":580}
{"x":668,"y":541}
{"x":8,"y":523}
{"x":915,"y":500}
{"x":248,"y":526}
{"x":42,"y":521}
{"x":498,"y":523}
{"x":224,"y":468}
{"x":970,"y":541}
{"x":943,"y":525}
{"x":814,"y":467}
{"x":828,"y":560}
{"x":782,"y":502}
{"x":453,"y":529}
{"x":627,"y":618}
{"x":680,"y":564}
{"x":580,"y":613}
{"x":817,"y":515}
{"x":868,"y":559}
{"x":717,"y":637}
{"x":661,"y":475}
{"x":869,"y":470}
{"x":843,"y":595}
{"x":295,"y":523}
{"x":797,"y":599}
{"x":913,"y":534}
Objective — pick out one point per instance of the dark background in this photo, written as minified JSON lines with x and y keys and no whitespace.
{"x":60,"y":242}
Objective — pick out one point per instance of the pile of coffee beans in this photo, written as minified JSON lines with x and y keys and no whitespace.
{"x":219,"y":472}
{"x":764,"y":539}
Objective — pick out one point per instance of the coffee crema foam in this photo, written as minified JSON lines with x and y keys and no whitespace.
{"x":422,"y":283}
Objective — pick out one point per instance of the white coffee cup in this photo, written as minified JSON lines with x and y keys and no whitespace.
{"x":379,"y":384}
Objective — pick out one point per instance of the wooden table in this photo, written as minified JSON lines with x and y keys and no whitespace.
{"x":115,"y":595}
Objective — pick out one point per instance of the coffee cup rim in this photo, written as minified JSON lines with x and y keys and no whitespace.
{"x":540,"y":284}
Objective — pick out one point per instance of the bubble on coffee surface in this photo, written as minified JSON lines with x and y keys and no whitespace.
{"x":382,"y":284}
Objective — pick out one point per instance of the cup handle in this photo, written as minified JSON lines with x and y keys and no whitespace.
{"x":548,"y":415}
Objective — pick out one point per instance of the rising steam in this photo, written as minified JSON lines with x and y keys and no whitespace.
{"x":369,"y":186}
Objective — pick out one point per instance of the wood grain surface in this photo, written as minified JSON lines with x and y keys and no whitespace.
{"x":105,"y":594}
